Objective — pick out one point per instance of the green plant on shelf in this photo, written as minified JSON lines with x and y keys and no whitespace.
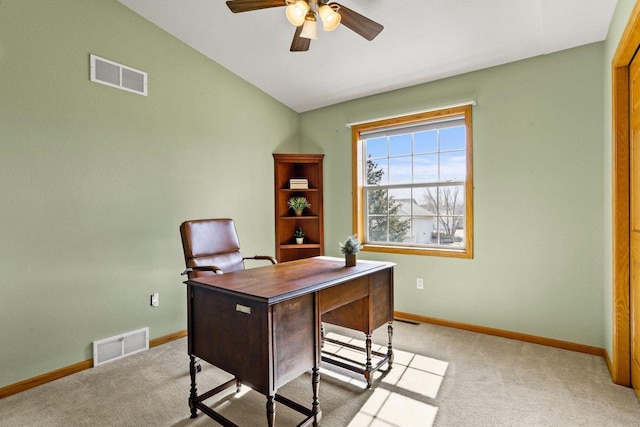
{"x":298,"y":203}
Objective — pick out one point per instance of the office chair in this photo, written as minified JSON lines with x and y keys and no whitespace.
{"x":211,"y":246}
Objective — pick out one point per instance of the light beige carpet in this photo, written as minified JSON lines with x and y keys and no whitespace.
{"x":441,"y":377}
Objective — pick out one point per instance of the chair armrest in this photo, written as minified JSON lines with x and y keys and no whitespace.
{"x":263,"y":257}
{"x":213,"y":268}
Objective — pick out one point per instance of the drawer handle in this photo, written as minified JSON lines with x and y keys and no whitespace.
{"x":243,"y":309}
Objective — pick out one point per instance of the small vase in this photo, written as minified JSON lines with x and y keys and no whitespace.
{"x":349,"y":260}
{"x":298,"y":212}
{"x":299,"y":240}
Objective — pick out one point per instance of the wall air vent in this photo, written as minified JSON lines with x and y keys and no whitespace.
{"x":117,"y":75}
{"x":113,"y":348}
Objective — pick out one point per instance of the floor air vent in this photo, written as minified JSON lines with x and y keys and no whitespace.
{"x":113,"y":348}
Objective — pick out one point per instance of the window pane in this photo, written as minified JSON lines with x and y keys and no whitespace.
{"x":425,"y":168}
{"x":399,"y":229}
{"x":453,"y":166}
{"x":400,"y":201}
{"x":425,"y":142}
{"x":400,"y":170}
{"x":376,"y":148}
{"x":377,"y":231}
{"x":389,"y":217}
{"x":428,"y":199}
{"x":400,"y":145}
{"x":452,"y":231}
{"x":422,"y":220}
{"x":447,"y":202}
{"x":377,"y":172}
{"x":400,"y":209}
{"x":438,"y":216}
{"x":377,"y":202}
{"x":453,"y":138}
{"x":451,"y":200}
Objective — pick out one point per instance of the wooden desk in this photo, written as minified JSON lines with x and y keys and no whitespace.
{"x":263,"y":325}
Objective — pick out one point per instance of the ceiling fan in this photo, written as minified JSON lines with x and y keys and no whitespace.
{"x":302,"y":14}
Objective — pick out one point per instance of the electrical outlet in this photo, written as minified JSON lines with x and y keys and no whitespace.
{"x":420,"y":283}
{"x":155,"y":300}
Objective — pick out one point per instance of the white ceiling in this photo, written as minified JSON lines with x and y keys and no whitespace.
{"x":422,"y":41}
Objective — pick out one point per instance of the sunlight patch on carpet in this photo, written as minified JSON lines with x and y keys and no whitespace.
{"x":388,"y":409}
{"x":399,"y":395}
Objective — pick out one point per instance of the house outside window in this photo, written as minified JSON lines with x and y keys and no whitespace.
{"x":413,"y":183}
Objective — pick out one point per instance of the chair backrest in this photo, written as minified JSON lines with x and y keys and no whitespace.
{"x":211,"y":242}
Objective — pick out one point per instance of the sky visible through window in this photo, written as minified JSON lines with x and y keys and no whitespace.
{"x":432,"y":156}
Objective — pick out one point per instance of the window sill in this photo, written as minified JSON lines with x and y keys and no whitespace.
{"x":408,"y":250}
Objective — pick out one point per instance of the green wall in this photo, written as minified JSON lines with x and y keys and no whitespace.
{"x":95,"y":181}
{"x":538,"y":213}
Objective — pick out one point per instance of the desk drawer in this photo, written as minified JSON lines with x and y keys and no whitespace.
{"x":343,"y":294}
{"x":231,"y":333}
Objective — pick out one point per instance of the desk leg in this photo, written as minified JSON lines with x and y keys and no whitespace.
{"x":368,"y":367}
{"x":271,"y":411}
{"x":193,"y":396}
{"x":315,"y":384}
{"x":390,"y":347}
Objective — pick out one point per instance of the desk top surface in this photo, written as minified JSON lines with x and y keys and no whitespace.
{"x":274,"y":283}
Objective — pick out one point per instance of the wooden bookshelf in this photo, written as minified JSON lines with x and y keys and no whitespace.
{"x":301,"y":166}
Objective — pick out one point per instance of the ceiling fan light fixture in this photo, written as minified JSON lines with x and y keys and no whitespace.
{"x":309,"y":29}
{"x":297,"y":11}
{"x":330,"y":16}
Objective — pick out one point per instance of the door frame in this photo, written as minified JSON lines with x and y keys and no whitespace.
{"x":620,"y":364}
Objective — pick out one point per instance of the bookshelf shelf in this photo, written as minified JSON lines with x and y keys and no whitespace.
{"x":301,"y":218}
{"x":302,"y":246}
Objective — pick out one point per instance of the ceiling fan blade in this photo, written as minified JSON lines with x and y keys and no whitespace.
{"x":249,"y":5}
{"x":299,"y":44}
{"x":360,"y":24}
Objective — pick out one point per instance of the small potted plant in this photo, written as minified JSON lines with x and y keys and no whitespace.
{"x":350,"y":248}
{"x":299,"y":235}
{"x":298,"y":203}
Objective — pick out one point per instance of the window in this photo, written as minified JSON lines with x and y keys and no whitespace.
{"x":413,"y":186}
